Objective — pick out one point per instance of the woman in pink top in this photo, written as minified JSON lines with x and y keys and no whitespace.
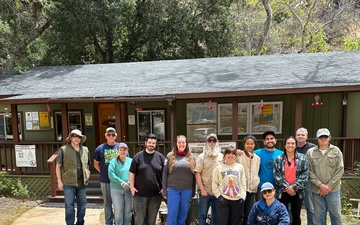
{"x":291,"y":172}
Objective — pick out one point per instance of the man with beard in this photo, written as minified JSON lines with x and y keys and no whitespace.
{"x":267,"y":156}
{"x":205,"y":165}
{"x":145,"y":182}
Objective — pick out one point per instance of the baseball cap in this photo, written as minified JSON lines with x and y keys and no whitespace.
{"x":266,"y":133}
{"x":322,"y":132}
{"x":110,"y":129}
{"x":212,"y":135}
{"x":267,"y":186}
{"x":123,"y":145}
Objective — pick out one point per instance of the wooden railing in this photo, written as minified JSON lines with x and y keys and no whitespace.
{"x":134,"y":147}
{"x":46,"y":154}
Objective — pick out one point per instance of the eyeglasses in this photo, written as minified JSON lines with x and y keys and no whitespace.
{"x":112,"y":135}
{"x":323,"y":136}
{"x":267,"y":191}
{"x":213,"y":141}
{"x":75,"y":136}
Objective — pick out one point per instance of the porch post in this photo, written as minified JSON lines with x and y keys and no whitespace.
{"x":118,"y":120}
{"x":235,"y":119}
{"x":298,"y":111}
{"x":64,"y":120}
{"x":15,"y":121}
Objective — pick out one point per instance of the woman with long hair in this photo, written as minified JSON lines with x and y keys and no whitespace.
{"x":178,"y":181}
{"x":229,"y":187}
{"x":291,"y":172}
{"x":251,"y":164}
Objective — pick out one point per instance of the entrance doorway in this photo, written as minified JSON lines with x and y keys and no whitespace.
{"x":107,"y":114}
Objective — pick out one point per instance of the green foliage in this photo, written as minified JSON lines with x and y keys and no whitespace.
{"x":351,"y":43}
{"x":357,"y":169}
{"x":346,"y":205}
{"x":12,"y":187}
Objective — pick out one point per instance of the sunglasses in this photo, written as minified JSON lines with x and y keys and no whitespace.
{"x":323,"y":136}
{"x":267,"y":191}
{"x":112,"y":135}
{"x":75,"y":136}
{"x":213,"y":141}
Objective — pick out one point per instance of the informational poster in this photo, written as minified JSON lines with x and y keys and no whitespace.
{"x":25,"y":156}
{"x":198,"y":147}
{"x":88,"y":119}
{"x":32,"y":121}
{"x":44,"y":119}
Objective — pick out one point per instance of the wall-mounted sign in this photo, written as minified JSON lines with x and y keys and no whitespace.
{"x":131,"y":119}
{"x":88,"y":119}
{"x":25,"y":155}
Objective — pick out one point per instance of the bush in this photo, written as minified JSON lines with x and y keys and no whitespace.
{"x":12,"y":187}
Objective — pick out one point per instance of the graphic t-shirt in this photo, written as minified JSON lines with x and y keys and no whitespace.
{"x":104,"y":153}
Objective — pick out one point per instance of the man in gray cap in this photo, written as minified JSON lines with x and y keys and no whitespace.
{"x":326,"y":167}
{"x":205,"y":165}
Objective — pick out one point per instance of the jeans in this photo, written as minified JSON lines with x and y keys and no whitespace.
{"x":309,"y":204}
{"x":146,"y":208}
{"x":229,"y":212}
{"x":109,"y":215}
{"x":122,"y":201}
{"x":178,"y":204}
{"x":204,"y":203}
{"x":330,"y":202}
{"x":296,"y":204}
{"x":70,"y":193}
{"x":249,"y":202}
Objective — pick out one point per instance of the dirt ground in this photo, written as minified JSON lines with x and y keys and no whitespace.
{"x":11,"y":207}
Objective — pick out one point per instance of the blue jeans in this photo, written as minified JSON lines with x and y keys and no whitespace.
{"x":332,"y":203}
{"x":309,"y":204}
{"x":204,"y":203}
{"x":122,"y":201}
{"x":109,"y":215}
{"x":146,"y":208}
{"x":178,"y":203}
{"x":70,"y":193}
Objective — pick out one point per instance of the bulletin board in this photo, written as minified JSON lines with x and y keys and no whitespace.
{"x":37,"y":121}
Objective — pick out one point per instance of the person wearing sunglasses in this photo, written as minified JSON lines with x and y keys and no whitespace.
{"x":72,"y":172}
{"x":206,"y":162}
{"x":326,"y":167}
{"x":102,"y":157}
{"x":269,"y":210}
{"x":229,"y":188}
{"x":291,"y":171}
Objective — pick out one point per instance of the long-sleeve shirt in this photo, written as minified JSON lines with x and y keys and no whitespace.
{"x":118,"y":172}
{"x":326,"y":168}
{"x":229,"y":181}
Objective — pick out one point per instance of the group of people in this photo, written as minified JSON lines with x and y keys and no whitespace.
{"x":263,"y":186}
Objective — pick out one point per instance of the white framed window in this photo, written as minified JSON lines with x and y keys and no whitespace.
{"x":225,"y":118}
{"x":74,"y":122}
{"x":266,"y":118}
{"x":6,"y":132}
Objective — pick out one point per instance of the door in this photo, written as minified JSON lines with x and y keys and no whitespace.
{"x":107,"y":115}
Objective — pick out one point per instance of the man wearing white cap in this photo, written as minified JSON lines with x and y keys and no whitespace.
{"x":102,"y":157}
{"x":326,"y":167}
{"x":72,"y":172}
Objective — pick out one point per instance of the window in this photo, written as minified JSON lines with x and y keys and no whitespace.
{"x":201,"y":120}
{"x":6,"y":132}
{"x":225,"y":118}
{"x":267,"y":118}
{"x":74,"y":122}
{"x":151,"y":122}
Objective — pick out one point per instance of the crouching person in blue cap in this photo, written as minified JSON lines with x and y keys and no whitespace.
{"x":268,"y":210}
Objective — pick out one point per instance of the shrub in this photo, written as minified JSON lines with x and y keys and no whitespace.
{"x":12,"y":187}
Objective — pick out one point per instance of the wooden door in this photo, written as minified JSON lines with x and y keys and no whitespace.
{"x":106,"y":118}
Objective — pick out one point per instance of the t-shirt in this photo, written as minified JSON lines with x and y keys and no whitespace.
{"x":205,"y":165}
{"x":305,"y":148}
{"x":148,"y":170}
{"x":104,"y":153}
{"x":266,"y":164}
